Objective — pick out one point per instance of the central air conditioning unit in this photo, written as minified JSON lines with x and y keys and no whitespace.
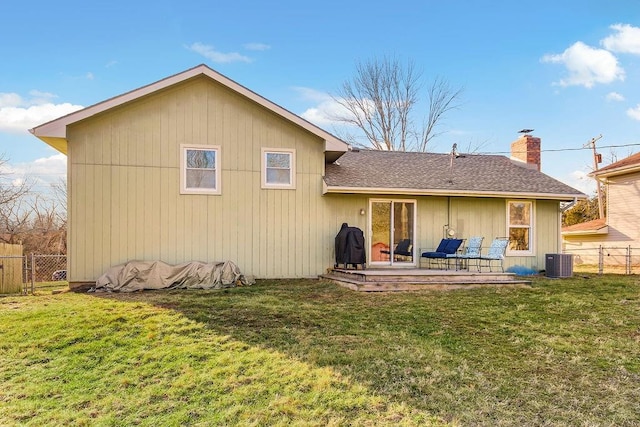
{"x":559,"y":265}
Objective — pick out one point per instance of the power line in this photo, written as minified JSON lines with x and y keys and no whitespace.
{"x":565,"y":149}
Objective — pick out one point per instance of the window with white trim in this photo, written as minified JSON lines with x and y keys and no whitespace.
{"x":199,"y":169}
{"x":278,"y":168}
{"x":520,"y":225}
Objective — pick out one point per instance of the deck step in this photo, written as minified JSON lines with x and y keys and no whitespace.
{"x":417,"y":279}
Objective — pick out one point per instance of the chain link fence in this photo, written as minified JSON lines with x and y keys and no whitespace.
{"x":606,"y":260}
{"x":26,"y":274}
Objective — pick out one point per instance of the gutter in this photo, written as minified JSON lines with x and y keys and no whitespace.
{"x":436,"y":192}
{"x":569,"y":206}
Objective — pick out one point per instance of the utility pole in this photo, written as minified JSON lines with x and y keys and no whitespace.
{"x":597,"y":158}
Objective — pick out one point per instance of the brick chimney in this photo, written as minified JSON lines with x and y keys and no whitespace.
{"x":526,"y":149}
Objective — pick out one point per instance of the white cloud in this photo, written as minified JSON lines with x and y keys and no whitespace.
{"x":257,"y":46}
{"x":42,"y":95}
{"x":626,"y":40}
{"x":634,"y":113}
{"x":312,"y":94}
{"x":89,"y":76}
{"x":614,"y":96}
{"x":587,"y":65}
{"x":213,"y":55}
{"x":326,"y":111}
{"x":581,"y":181}
{"x":17,"y":114}
{"x":53,"y":165}
{"x":10,"y":100}
{"x":41,"y":172}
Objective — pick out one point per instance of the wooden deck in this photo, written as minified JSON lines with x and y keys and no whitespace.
{"x":414,"y":279}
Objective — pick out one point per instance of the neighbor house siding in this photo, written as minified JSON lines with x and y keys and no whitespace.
{"x":125,"y":201}
{"x":623,"y":205}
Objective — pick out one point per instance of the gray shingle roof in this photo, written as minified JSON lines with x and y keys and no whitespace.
{"x":425,"y":172}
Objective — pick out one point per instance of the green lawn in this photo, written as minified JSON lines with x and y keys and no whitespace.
{"x":565,"y":352}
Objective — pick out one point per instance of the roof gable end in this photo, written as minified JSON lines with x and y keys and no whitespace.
{"x":54,"y":132}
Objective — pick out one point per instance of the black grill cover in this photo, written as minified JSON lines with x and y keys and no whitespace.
{"x":350,"y":247}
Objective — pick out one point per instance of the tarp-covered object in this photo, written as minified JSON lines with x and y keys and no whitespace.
{"x":349,"y":244}
{"x":139,"y":275}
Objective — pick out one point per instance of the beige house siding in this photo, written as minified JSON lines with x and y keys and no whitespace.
{"x":468,"y":216}
{"x":623,"y":208}
{"x":125,"y":200}
{"x":487,"y":217}
{"x":623,"y":212}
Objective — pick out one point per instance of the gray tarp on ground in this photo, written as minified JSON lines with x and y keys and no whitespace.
{"x":139,"y":275}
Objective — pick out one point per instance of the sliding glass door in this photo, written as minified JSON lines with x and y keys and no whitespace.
{"x":392,"y":231}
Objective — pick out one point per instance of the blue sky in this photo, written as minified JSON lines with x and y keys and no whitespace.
{"x":570,"y":70}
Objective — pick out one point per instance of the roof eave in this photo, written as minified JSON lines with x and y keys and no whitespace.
{"x":614,"y":172}
{"x":600,"y":231}
{"x":442,"y":192}
{"x":58,"y":128}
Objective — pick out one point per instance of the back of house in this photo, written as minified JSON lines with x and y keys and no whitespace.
{"x":196,"y":167}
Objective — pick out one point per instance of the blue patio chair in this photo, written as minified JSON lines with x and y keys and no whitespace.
{"x":471,"y":251}
{"x":495,"y":254}
{"x":403,"y":248}
{"x":446,"y":251}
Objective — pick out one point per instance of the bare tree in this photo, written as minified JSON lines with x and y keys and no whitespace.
{"x":60,"y":199}
{"x":442,"y":99}
{"x":37,"y":221}
{"x":10,"y":191}
{"x":381,"y":100}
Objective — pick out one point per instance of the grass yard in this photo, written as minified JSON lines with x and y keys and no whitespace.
{"x":304,"y":352}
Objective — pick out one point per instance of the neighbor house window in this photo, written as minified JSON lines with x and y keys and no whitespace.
{"x":520,"y":227}
{"x":278,"y":168}
{"x":199,"y":169}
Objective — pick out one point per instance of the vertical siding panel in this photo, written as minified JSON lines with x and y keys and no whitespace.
{"x":269,"y":233}
{"x":301,"y":211}
{"x":211,"y":233}
{"x":226,"y":217}
{"x":310,"y":246}
{"x":127,"y":198}
{"x":256,"y":214}
{"x":114,"y":210}
{"x":292,"y":209}
{"x":129,"y":227}
{"x":164,"y":223}
{"x":219,"y":210}
{"x":172,"y":190}
{"x":79,"y":225}
{"x":106,"y":218}
{"x":101,"y":225}
{"x":97,"y":222}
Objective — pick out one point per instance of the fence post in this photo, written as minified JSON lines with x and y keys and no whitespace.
{"x":600,"y":260}
{"x":33,"y":273}
{"x":25,"y":275}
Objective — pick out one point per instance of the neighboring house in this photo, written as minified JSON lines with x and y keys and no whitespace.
{"x":619,"y":231}
{"x":198,"y":167}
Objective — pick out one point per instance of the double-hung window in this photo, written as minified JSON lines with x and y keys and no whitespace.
{"x":278,"y":168}
{"x":199,"y":169}
{"x":520,"y":223}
